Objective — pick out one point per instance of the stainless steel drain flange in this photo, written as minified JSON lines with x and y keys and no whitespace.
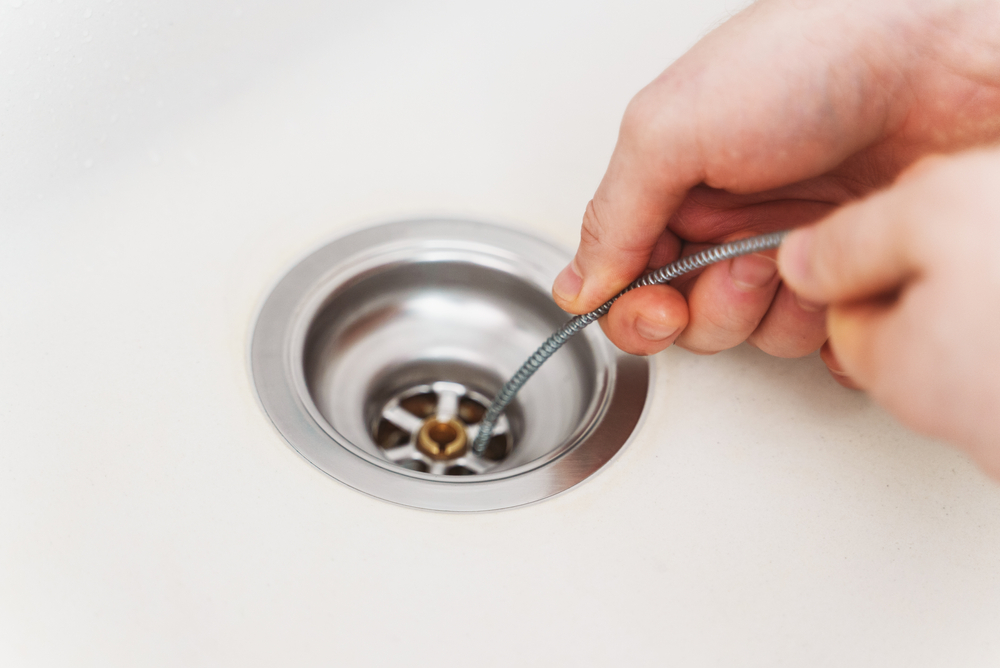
{"x":376,"y":355}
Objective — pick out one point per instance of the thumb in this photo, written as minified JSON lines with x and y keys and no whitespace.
{"x":627,"y":219}
{"x":860,"y":251}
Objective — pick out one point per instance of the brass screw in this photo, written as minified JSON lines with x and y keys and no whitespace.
{"x":441,"y":440}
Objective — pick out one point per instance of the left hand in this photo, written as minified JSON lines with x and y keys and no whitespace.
{"x":912,"y":277}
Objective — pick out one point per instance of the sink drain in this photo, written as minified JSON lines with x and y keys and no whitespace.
{"x":377,"y":355}
{"x":430,"y":428}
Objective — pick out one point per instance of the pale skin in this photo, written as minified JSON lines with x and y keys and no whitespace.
{"x":853,"y":121}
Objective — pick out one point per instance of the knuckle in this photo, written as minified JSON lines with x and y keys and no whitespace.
{"x":648,"y":124}
{"x":600,"y":236}
{"x":592,"y":231}
{"x":639,"y":115}
{"x":736,"y":322}
{"x":713,"y":331}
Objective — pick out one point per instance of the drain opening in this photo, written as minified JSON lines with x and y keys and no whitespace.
{"x":386,"y":328}
{"x":430,"y":429}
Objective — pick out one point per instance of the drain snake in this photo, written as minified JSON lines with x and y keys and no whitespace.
{"x":699,"y":260}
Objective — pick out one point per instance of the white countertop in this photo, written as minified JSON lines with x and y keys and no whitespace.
{"x":161,"y":166}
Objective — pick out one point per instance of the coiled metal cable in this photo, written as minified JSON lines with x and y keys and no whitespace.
{"x":706,"y":257}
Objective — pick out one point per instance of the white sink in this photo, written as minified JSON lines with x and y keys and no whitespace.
{"x":163,"y":164}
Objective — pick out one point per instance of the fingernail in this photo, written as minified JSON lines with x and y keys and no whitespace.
{"x":653,"y":331}
{"x":753,"y":271}
{"x":794,"y":254}
{"x":809,"y":305}
{"x":568,"y":283}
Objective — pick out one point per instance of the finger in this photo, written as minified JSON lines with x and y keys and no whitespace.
{"x":918,"y":365}
{"x":626,"y":218}
{"x":727,"y":302}
{"x":859,"y":251}
{"x":781,"y":327}
{"x":791,"y":327}
{"x":710,"y":118}
{"x":711,"y":215}
{"x":835,"y":368}
{"x":666,"y":250}
{"x":647,"y":320}
{"x":871,"y":343}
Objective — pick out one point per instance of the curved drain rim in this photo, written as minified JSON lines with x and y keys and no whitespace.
{"x":455,"y":241}
{"x":279,"y":332}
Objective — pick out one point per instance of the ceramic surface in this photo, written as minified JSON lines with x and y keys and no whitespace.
{"x":162,"y":165}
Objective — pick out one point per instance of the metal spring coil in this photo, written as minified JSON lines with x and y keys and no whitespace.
{"x":699,"y":260}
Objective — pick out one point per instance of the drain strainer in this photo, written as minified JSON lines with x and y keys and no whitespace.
{"x":376,"y":356}
{"x":431,"y":428}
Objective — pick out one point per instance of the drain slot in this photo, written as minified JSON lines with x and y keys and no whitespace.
{"x":430,"y":428}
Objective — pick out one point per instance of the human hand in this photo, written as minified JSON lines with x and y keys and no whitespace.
{"x":912,"y":277}
{"x":772,"y":121}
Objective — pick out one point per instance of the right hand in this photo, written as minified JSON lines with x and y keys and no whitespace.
{"x":772,"y":121}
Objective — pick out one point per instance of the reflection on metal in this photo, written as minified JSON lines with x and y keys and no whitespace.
{"x":375,"y":357}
